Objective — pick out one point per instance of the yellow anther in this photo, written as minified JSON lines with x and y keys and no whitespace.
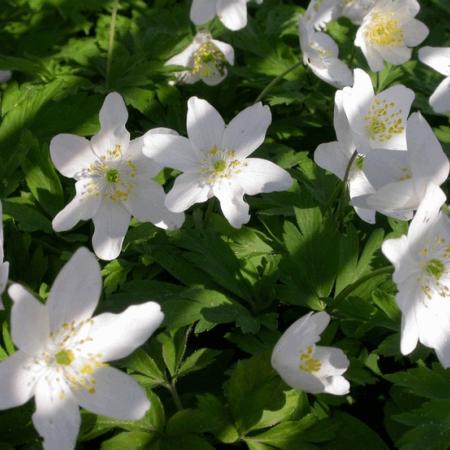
{"x":384,"y":30}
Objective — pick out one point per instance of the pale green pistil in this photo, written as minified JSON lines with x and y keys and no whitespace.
{"x":64,"y":357}
{"x":359,"y":162}
{"x":220,"y":165}
{"x":435,"y":268}
{"x":112,"y":175}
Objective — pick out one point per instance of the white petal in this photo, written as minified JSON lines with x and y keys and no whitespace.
{"x":186,"y":191}
{"x":146,"y":203}
{"x":116,"y":395}
{"x":414,"y":32}
{"x":232,"y":13}
{"x":17,"y":384}
{"x":293,"y":376}
{"x":402,"y":97}
{"x":259,"y":175}
{"x":71,"y":154}
{"x":205,"y":125}
{"x":183,"y":58}
{"x":113,"y":117}
{"x":440,"y":99}
{"x":356,"y":102}
{"x":113,"y":113}
{"x":232,"y":204}
{"x":170,"y":150}
{"x":81,"y":207}
{"x":215,"y":79}
{"x":394,"y":196}
{"x":29,"y":321}
{"x":337,"y":385}
{"x":409,"y":327}
{"x":437,"y":58}
{"x":226,"y":49}
{"x":429,"y":164}
{"x":75,"y":291}
{"x":333,"y":361}
{"x":395,"y":250}
{"x":56,"y":419}
{"x":427,"y":213}
{"x":341,"y":125}
{"x":331,"y":157}
{"x":203,"y":11}
{"x":335,"y":73}
{"x":117,"y":335}
{"x":304,"y":332}
{"x":247,"y":131}
{"x":111,"y":225}
{"x":374,"y":58}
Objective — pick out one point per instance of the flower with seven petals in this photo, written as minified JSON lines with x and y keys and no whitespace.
{"x":306,"y":366}
{"x":377,"y":121}
{"x":214,"y":160}
{"x":438,"y":58}
{"x":388,"y":31}
{"x":62,"y":354}
{"x":114,"y":181}
{"x":422,"y":275}
{"x":206,"y":59}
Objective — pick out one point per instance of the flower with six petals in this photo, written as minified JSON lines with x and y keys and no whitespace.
{"x":63,"y":353}
{"x":214,"y":160}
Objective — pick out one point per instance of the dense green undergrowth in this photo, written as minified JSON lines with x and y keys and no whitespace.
{"x":227,"y":294}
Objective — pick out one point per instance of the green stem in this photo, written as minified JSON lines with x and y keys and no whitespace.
{"x":209,"y":210}
{"x":112,"y":33}
{"x":350,"y":288}
{"x":174,"y":393}
{"x":276,"y":80}
{"x":344,"y":185}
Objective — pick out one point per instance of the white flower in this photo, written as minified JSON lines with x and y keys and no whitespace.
{"x":214,"y":160}
{"x":5,"y":76}
{"x":321,"y":53}
{"x":401,"y":178}
{"x":320,"y":12}
{"x":232,"y":13}
{"x":206,"y":60}
{"x":438,"y":58}
{"x":335,"y":157}
{"x":63,"y":352}
{"x":113,"y":181}
{"x":422,"y":276}
{"x":388,"y":31}
{"x":4,"y":266}
{"x":306,"y":366}
{"x":356,"y":10}
{"x":377,"y":121}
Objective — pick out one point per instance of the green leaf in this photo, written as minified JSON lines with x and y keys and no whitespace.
{"x":198,"y":360}
{"x":253,"y":389}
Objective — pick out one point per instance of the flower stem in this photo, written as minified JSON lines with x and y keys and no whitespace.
{"x":174,"y":393}
{"x":112,"y":33}
{"x":351,"y":287}
{"x":344,"y":185}
{"x":276,"y":80}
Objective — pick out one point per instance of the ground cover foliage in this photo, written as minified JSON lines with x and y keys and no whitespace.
{"x":227,"y":294}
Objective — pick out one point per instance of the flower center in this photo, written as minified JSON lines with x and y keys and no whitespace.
{"x":111,"y":176}
{"x":434,"y":278}
{"x":219,"y":164}
{"x":308,"y":363}
{"x":384,"y":30}
{"x":383,"y":120}
{"x":435,"y":268}
{"x":64,"y":357}
{"x":208,"y":61}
